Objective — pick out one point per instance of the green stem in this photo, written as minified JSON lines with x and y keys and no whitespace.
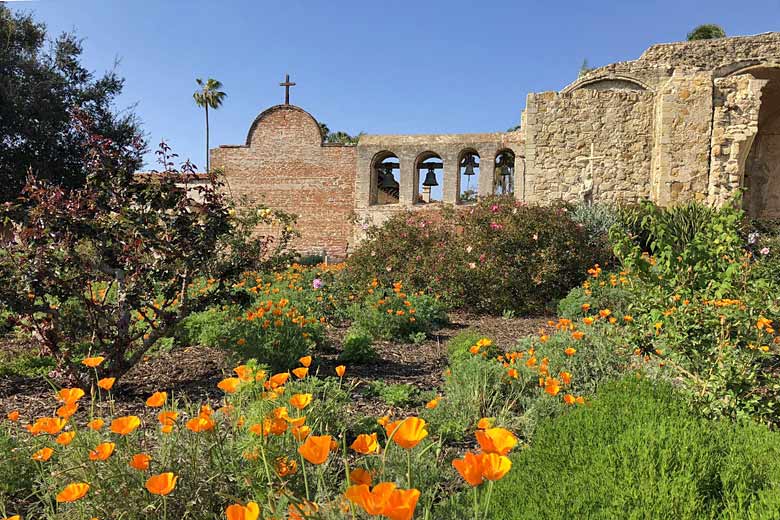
{"x":409,"y":468}
{"x":265,"y":464}
{"x":305,"y":480}
{"x":487,"y":500}
{"x":476,"y":503}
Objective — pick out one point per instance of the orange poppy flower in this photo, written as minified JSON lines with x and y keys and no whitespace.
{"x":229,"y":385}
{"x":372,"y":501}
{"x":570,"y":351}
{"x":401,"y":504}
{"x":580,"y":400}
{"x":277,"y":380}
{"x":407,"y":433}
{"x":513,"y":373}
{"x":383,"y":421}
{"x":93,"y":362}
{"x":70,"y":395}
{"x":578,"y":335}
{"x":73,"y":492}
{"x":300,"y":401}
{"x":96,"y":424}
{"x":102,"y":451}
{"x":13,"y":416}
{"x":285,"y":466}
{"x":485,"y":423}
{"x":42,"y":455}
{"x":125,"y":425}
{"x":200,"y":424}
{"x":301,"y":372}
{"x":140,"y":461}
{"x":316,"y":448}
{"x":67,"y":410}
{"x":297,"y":421}
{"x":495,"y":466}
{"x":50,"y":425}
{"x":565,"y":377}
{"x":15,"y":517}
{"x":243,"y":372}
{"x":161,"y":484}
{"x":340,"y":370}
{"x":433,"y":403}
{"x":301,"y":432}
{"x":365,"y":444}
{"x":107,"y":383}
{"x":470,"y":468}
{"x":167,"y":418}
{"x":238,"y":512}
{"x":568,"y":399}
{"x":65,"y":438}
{"x":305,"y":361}
{"x":359,"y":476}
{"x":277,"y":426}
{"x":552,"y":386}
{"x":157,"y":399}
{"x":496,"y":440}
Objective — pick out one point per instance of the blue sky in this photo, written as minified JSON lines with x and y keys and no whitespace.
{"x":373,"y":66}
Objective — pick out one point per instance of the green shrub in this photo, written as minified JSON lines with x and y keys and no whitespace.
{"x":458,"y":346}
{"x":639,"y":452}
{"x":394,"y":314}
{"x":16,"y":473}
{"x":357,"y":347}
{"x":393,"y":394}
{"x":536,"y":252}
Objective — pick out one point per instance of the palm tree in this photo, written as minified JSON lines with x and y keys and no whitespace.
{"x":209,"y":95}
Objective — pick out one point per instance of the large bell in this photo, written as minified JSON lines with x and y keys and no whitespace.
{"x":469,"y":171}
{"x":505,"y":166}
{"x":386,"y":180}
{"x":430,"y":178}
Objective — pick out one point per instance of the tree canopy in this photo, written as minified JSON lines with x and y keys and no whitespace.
{"x":42,"y":84}
{"x":707,"y":31}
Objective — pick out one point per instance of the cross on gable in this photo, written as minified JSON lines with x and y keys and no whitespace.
{"x":286,"y":84}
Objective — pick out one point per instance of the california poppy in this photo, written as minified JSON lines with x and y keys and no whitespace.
{"x":305,"y":361}
{"x":300,"y":401}
{"x":285,"y":466}
{"x":238,"y":512}
{"x":552,"y":386}
{"x":570,"y":351}
{"x":407,"y":433}
{"x":433,"y":403}
{"x":360,"y":476}
{"x":485,"y":423}
{"x":243,"y":372}
{"x":200,"y":424}
{"x":73,"y":492}
{"x":50,"y":425}
{"x":301,"y":372}
{"x":96,"y":424}
{"x":157,"y":399}
{"x":470,"y":468}
{"x":67,"y":410}
{"x":365,"y":444}
{"x":277,"y":380}
{"x":229,"y":385}
{"x":167,"y":418}
{"x":568,"y":399}
{"x":372,"y":501}
{"x":65,"y":438}
{"x":102,"y":451}
{"x":70,"y":395}
{"x":301,"y":432}
{"x":340,"y":370}
{"x":161,"y":484}
{"x":42,"y":455}
{"x":496,"y":440}
{"x":106,"y":383}
{"x":13,"y":416}
{"x":125,"y":425}
{"x":93,"y":362}
{"x":495,"y":466}
{"x":140,"y":461}
{"x":401,"y":504}
{"x":316,"y":448}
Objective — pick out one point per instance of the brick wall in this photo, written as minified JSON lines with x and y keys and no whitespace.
{"x":285,"y":165}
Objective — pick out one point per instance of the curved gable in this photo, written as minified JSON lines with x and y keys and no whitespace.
{"x":284,"y":124}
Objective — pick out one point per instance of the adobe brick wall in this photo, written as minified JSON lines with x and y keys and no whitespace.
{"x":285,"y":165}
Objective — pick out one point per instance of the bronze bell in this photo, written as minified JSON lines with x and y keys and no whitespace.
{"x":387,"y":181}
{"x":469,"y":166}
{"x":430,"y":178}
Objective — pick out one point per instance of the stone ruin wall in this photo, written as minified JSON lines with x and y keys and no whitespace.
{"x":560,"y":128}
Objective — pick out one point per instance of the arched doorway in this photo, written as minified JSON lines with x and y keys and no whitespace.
{"x":762,"y":168}
{"x":468,"y":174}
{"x":384,"y":180}
{"x":429,"y":176}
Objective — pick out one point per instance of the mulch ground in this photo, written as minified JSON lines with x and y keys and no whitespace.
{"x":192,"y":373}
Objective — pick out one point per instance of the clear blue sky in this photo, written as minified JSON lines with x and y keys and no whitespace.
{"x":374,"y":66}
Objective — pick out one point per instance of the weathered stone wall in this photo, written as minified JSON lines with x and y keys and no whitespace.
{"x":285,"y":165}
{"x":683,"y":118}
{"x":735,"y":124}
{"x":560,"y":129}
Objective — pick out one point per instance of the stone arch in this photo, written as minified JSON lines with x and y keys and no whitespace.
{"x":468,"y":167}
{"x":762,"y":167}
{"x":385,"y":185}
{"x":504,"y":180}
{"x":308,"y":125}
{"x":607,"y":82}
{"x":428,"y":161}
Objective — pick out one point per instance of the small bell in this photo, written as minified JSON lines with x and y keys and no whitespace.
{"x":430,"y":178}
{"x":469,"y":171}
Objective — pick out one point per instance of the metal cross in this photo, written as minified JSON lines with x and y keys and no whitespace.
{"x":287,"y":84}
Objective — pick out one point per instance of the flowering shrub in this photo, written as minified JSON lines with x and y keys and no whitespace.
{"x":498,"y":255}
{"x":639,"y":452}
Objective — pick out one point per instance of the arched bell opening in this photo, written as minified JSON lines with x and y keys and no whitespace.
{"x":468,"y":176}
{"x":504,"y":176}
{"x":429,"y":172}
{"x":385,"y":175}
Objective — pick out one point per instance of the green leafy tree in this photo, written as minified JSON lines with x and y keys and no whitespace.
{"x":708,"y":31}
{"x":41,"y":83}
{"x":209,"y":96}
